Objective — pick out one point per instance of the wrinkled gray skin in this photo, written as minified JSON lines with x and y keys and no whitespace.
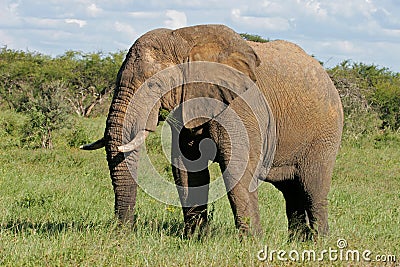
{"x":301,"y":127}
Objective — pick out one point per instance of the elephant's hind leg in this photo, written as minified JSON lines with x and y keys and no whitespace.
{"x":316,"y":174}
{"x":296,"y":203}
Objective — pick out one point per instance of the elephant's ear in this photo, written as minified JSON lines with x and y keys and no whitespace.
{"x":242,"y":57}
{"x":217,"y":73}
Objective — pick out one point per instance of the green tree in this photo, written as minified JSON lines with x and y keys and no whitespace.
{"x":47,"y":112}
{"x":386,"y":98}
{"x":370,"y":96}
{"x":47,"y":89}
{"x":20,"y":73}
{"x":360,"y":119}
{"x":254,"y":38}
{"x":91,"y":78}
{"x":31,"y":83}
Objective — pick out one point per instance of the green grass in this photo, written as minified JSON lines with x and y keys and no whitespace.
{"x":57,"y":210}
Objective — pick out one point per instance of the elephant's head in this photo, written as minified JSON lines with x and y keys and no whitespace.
{"x":139,"y":93}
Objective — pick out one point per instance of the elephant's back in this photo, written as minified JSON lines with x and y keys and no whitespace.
{"x":289,"y":69}
{"x":302,"y":97}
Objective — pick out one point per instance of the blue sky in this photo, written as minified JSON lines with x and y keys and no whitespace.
{"x":365,"y":31}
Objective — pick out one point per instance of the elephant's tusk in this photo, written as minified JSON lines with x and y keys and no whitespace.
{"x":95,"y":145}
{"x":135,"y":143}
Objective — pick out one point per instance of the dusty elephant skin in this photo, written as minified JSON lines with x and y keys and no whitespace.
{"x":290,"y":139}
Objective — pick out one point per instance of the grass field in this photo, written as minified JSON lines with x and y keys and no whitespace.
{"x":56,"y":209}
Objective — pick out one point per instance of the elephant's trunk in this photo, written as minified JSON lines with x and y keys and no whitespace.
{"x":124,"y":135}
{"x":125,"y":186}
{"x":122,"y":176}
{"x":129,"y":118}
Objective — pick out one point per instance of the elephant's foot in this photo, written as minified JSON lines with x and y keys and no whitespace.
{"x":301,"y":231}
{"x":195,"y":221}
{"x":318,"y":217}
{"x":300,"y":223}
{"x":307,"y":226}
{"x":247,"y":228}
{"x":244,"y":205}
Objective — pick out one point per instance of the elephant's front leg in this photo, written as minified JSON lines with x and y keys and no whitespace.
{"x":192,"y":178}
{"x":244,"y":202}
{"x":238,"y":160}
{"x":193,"y":193}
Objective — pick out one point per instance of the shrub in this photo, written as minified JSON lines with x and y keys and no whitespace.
{"x":387,"y":100}
{"x":81,"y":131}
{"x":370,"y":97}
{"x":89,"y":79}
{"x":79,"y":136}
{"x":11,"y":125}
{"x":386,"y":139}
{"x":47,"y":112}
{"x":360,"y":118}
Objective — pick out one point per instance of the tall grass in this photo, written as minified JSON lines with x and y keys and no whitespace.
{"x":56,"y":209}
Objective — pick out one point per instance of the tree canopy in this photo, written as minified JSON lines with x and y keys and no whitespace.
{"x":48,"y":90}
{"x":254,"y":38}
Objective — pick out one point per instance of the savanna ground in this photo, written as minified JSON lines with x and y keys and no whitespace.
{"x":56,"y":209}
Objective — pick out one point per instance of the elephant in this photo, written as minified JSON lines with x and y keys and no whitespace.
{"x":271,"y":112}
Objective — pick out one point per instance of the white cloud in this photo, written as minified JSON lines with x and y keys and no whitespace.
{"x":343,"y":47}
{"x":392,"y":32}
{"x":347,"y":8}
{"x":175,"y":19}
{"x":144,"y":15}
{"x":6,"y":39}
{"x":264,"y":23}
{"x":93,"y":10}
{"x":80,"y":23}
{"x":9,"y":13}
{"x":314,"y":8}
{"x":125,"y":28}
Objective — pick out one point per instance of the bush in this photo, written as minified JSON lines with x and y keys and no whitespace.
{"x":387,"y":100}
{"x":370,"y":97}
{"x":11,"y":128}
{"x":79,"y":136}
{"x":386,"y":139}
{"x":47,"y":111}
{"x":81,"y":131}
{"x":360,"y":119}
{"x":89,"y":79}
